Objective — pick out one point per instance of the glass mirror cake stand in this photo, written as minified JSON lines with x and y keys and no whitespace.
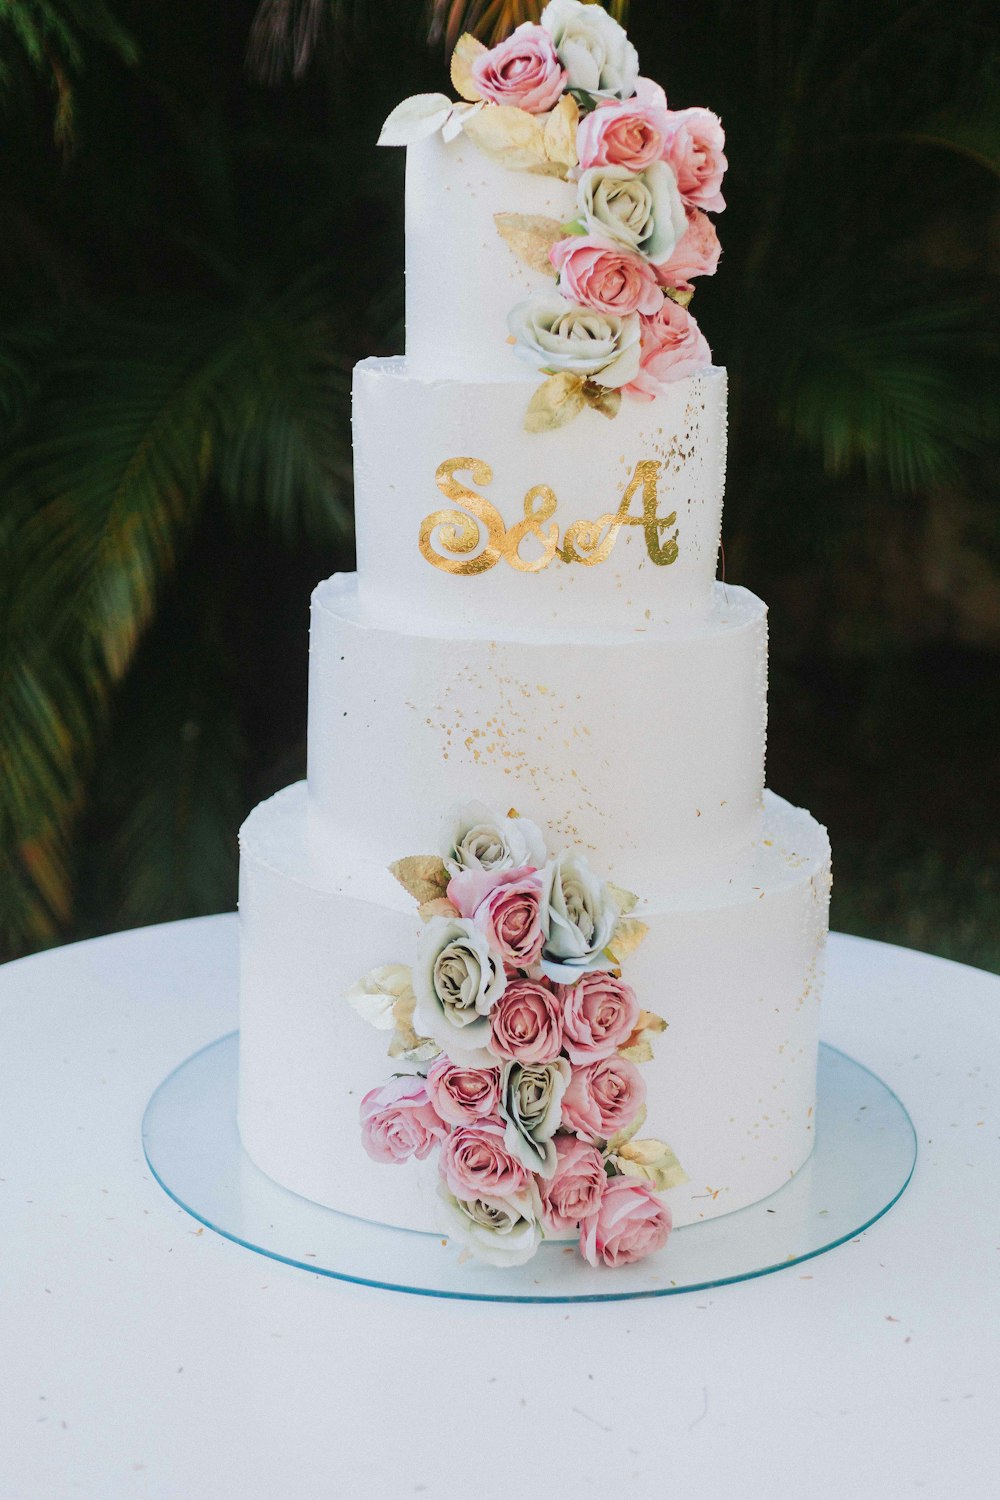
{"x":862,"y":1161}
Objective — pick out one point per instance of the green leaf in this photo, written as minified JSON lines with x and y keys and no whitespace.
{"x":880,"y":393}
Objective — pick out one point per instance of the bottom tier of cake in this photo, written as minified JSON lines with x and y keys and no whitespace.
{"x":735,"y":968}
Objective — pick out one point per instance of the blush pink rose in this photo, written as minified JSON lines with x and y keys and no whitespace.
{"x":599,"y":1015}
{"x":475,"y":1163}
{"x":399,"y":1120}
{"x":626,"y":134}
{"x":527,"y":1022}
{"x":511,"y":918}
{"x":630,"y":1223}
{"x":603,"y":1098}
{"x":695,"y":254}
{"x":462,"y":1096}
{"x":695,"y":151}
{"x":673,"y":346}
{"x":523,"y":71}
{"x":606,"y":277}
{"x":574,"y":1191}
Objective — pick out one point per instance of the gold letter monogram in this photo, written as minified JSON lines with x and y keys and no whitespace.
{"x":583,"y":543}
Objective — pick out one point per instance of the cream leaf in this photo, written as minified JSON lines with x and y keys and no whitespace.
{"x":415,"y":119}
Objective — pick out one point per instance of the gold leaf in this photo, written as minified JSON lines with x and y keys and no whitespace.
{"x":439,"y":907}
{"x":602,"y":398}
{"x":531,"y":237}
{"x":512,"y":137}
{"x":628,"y":935}
{"x":618,"y":1141}
{"x":467,"y":49}
{"x":625,"y":901}
{"x":422,"y":875}
{"x":637,"y":1052}
{"x":682,"y":296}
{"x":557,"y":401}
{"x":639,"y":1046}
{"x":405,"y":1041}
{"x":559,"y":134}
{"x":654,"y":1162}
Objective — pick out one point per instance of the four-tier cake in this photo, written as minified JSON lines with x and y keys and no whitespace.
{"x":535,"y":685}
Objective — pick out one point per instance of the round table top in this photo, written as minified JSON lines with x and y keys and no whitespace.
{"x":147,"y":1357}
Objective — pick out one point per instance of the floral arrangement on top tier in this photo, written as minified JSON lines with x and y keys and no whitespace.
{"x":521,"y":1042}
{"x":564,"y":98}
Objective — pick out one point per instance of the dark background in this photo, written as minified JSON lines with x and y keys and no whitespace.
{"x":192,"y":256}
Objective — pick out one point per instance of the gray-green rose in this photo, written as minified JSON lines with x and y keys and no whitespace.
{"x":642,"y":211}
{"x":552,"y":334}
{"x":477,"y":838}
{"x":579,"y":917}
{"x":531,"y":1105}
{"x":457,"y":981}
{"x":593,"y":48}
{"x":500,"y":1231}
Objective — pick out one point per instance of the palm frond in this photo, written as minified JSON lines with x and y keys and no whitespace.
{"x":49,"y":709}
{"x":879,"y":392}
{"x":52,"y":37}
{"x":492,"y":20}
{"x":111,"y":474}
{"x":283,"y":426}
{"x":283,"y":37}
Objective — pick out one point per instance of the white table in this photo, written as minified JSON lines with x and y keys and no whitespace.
{"x":145,"y":1357}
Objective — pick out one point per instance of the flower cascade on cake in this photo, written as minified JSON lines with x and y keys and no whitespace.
{"x":565,"y":98}
{"x":518,"y":1042}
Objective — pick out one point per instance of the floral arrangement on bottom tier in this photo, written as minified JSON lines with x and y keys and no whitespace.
{"x":520,"y":1042}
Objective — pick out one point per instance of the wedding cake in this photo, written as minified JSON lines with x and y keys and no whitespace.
{"x":532,"y":700}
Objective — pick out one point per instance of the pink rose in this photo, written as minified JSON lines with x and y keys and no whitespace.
{"x":607,"y":277}
{"x":398,"y":1121}
{"x":630,"y":1222}
{"x":523,"y":71}
{"x":462,"y":1096}
{"x":574,"y":1191}
{"x":599,"y":1015}
{"x":673,"y":346}
{"x":694,"y":150}
{"x":695,"y":254}
{"x":475,"y":1163}
{"x":627,"y":134}
{"x":603,"y":1098}
{"x":527,"y":1022}
{"x":511,"y":918}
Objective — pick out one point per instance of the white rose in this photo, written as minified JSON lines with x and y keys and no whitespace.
{"x":477,"y":838}
{"x":457,"y":981}
{"x":643,"y":211}
{"x":593,"y":48}
{"x":531,"y":1104}
{"x":500,"y":1231}
{"x":552,"y":334}
{"x":579,"y":917}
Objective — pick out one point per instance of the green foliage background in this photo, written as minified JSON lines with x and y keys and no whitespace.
{"x":194,"y":254}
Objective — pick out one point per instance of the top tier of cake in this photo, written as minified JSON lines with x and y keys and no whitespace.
{"x":461,"y":278}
